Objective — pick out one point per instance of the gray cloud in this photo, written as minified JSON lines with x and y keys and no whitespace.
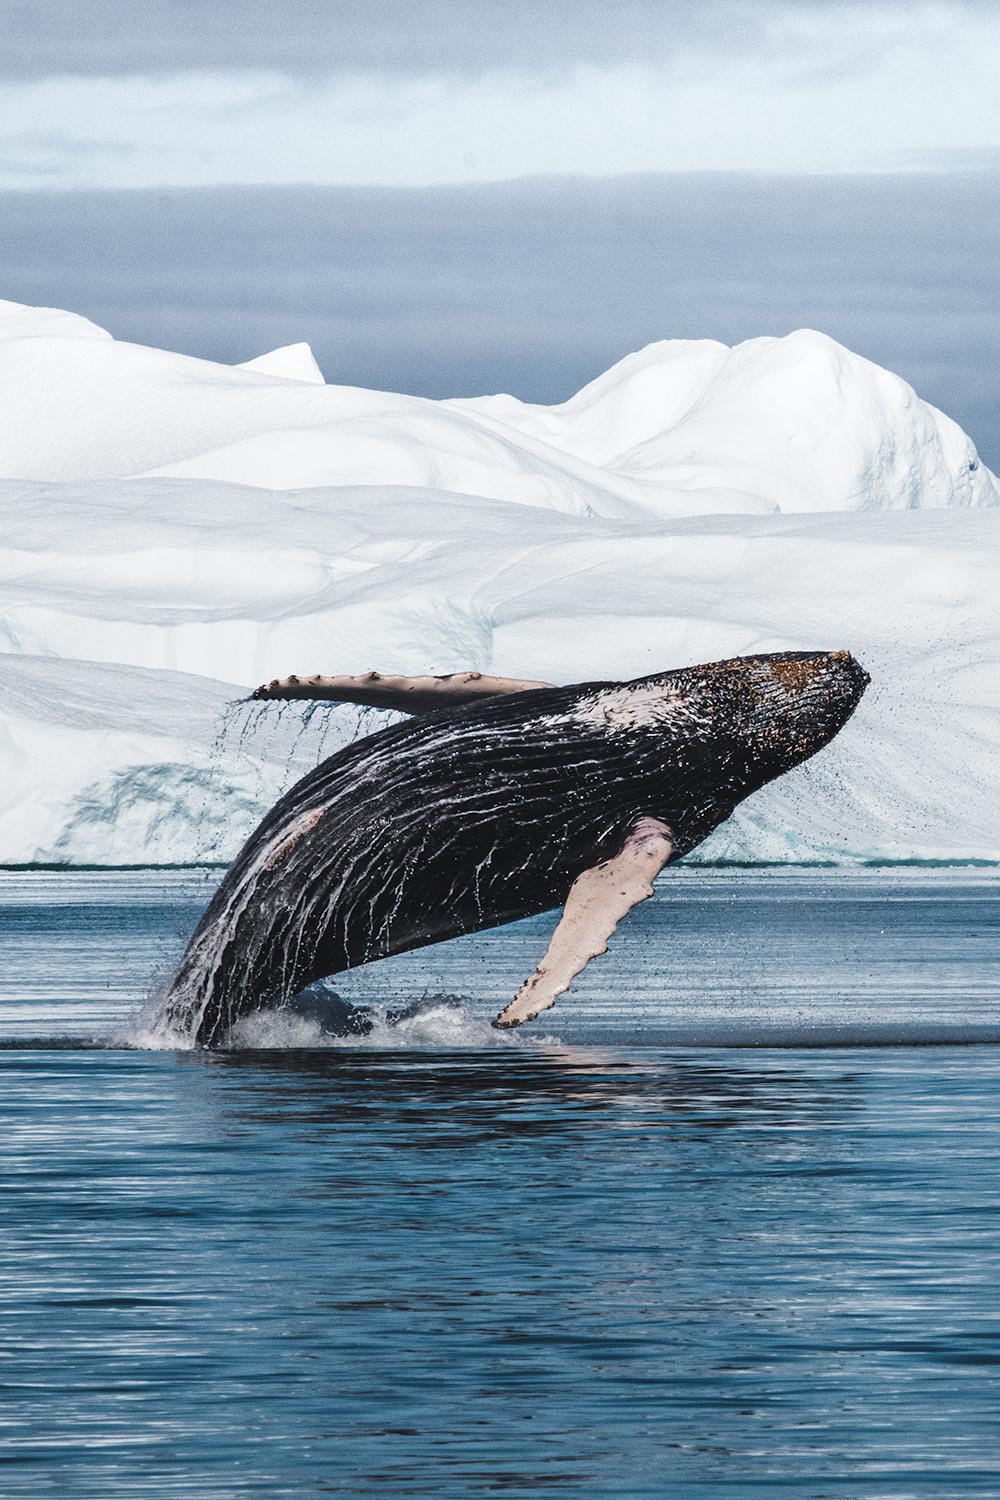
{"x":536,"y":286}
{"x":421,"y":37}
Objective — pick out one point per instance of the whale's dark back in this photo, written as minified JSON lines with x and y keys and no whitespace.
{"x":470,"y":817}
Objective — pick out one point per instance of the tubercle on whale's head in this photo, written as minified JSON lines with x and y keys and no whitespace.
{"x":758,"y":716}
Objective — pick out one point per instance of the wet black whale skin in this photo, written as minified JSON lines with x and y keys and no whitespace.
{"x":484,"y":813}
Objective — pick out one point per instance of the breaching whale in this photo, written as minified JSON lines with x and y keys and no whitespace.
{"x":497,"y":800}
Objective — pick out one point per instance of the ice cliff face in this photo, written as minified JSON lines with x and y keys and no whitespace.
{"x":174,"y":531}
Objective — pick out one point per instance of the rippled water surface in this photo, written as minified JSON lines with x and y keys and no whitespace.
{"x":726,"y":1222}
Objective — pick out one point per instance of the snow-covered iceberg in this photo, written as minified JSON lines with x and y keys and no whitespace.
{"x":174,"y":531}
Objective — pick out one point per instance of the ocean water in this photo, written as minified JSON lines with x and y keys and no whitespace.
{"x":726,"y":1222}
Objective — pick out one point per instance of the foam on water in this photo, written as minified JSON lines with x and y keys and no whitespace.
{"x":442,"y":1025}
{"x":382,"y":1018}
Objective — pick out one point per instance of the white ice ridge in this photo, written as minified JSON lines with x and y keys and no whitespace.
{"x":681,"y":428}
{"x":694,"y":502}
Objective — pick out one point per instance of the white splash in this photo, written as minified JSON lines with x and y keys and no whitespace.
{"x":432,"y":1026}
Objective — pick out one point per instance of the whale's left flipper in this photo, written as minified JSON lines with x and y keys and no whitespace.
{"x":597,"y":901}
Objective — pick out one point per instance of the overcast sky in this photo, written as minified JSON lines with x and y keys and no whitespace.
{"x":198,"y":92}
{"x":883,"y":121}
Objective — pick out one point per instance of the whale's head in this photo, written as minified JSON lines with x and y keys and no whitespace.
{"x":759,"y":716}
{"x":720,"y":731}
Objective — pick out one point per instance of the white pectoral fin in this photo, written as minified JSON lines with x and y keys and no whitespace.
{"x":408,"y":695}
{"x":597,"y":901}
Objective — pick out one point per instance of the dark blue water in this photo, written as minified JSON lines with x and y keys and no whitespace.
{"x":726,"y":1225}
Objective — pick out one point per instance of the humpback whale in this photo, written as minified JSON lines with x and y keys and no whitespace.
{"x":496,"y":799}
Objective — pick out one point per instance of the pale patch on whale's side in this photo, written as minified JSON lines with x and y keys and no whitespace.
{"x":621,"y":710}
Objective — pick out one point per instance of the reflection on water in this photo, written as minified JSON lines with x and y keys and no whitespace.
{"x":561,"y":1091}
{"x":596,"y":1264}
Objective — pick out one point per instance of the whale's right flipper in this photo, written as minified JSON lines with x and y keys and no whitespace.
{"x":597,"y":901}
{"x":408,"y":695}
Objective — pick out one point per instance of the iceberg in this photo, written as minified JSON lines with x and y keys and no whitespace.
{"x":175,"y":531}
